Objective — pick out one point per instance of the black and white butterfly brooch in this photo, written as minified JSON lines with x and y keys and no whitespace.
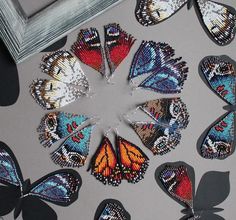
{"x":218,"y":20}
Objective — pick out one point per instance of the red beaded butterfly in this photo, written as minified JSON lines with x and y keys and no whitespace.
{"x":117,"y":46}
{"x":177,"y":180}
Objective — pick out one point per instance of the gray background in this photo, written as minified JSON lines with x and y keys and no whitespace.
{"x":144,"y":200}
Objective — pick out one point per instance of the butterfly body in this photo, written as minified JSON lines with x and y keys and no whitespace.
{"x":219,"y":73}
{"x":218,"y":20}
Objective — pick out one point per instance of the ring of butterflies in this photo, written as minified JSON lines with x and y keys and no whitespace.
{"x":165,"y":75}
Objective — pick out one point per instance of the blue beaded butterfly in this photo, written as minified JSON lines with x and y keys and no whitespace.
{"x":74,"y":150}
{"x":178,"y":181}
{"x":218,"y":20}
{"x":167,"y":75}
{"x":219,"y":72}
{"x":60,"y":187}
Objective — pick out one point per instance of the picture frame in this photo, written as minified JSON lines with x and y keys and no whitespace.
{"x":26,"y":35}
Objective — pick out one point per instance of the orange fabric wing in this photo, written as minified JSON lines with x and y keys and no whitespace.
{"x":132,"y":159}
{"x":104,"y":165}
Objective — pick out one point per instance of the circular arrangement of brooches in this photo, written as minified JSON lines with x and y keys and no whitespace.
{"x":109,"y":164}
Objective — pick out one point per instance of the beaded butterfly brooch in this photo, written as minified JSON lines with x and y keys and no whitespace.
{"x":170,"y":117}
{"x":74,"y":150}
{"x":60,"y":187}
{"x":127,"y":162}
{"x":165,"y":74}
{"x":219,"y":73}
{"x":177,"y":180}
{"x":218,"y":20}
{"x":111,"y":209}
{"x":117,"y":46}
{"x":68,"y":85}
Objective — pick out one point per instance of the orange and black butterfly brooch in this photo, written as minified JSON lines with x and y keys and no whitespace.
{"x":127,"y":162}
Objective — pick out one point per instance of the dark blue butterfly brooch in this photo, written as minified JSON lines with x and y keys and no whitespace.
{"x":60,"y":187}
{"x":178,"y":181}
{"x":219,"y":73}
{"x":218,"y":20}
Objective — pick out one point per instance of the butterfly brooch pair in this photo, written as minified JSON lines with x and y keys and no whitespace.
{"x":166,"y":75}
{"x":127,"y":161}
{"x":218,"y":20}
{"x":178,"y":181}
{"x":60,"y":187}
{"x":219,"y":73}
{"x":88,"y":47}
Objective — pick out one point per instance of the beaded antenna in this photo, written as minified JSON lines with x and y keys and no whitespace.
{"x":74,"y":150}
{"x":170,"y":116}
{"x":117,"y":46}
{"x":60,"y":187}
{"x":127,"y":162}
{"x":165,"y":74}
{"x":218,"y":20}
{"x":177,"y":180}
{"x":219,"y":73}
{"x":68,"y":85}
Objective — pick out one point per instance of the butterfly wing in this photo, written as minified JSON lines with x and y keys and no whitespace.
{"x":177,"y":183}
{"x":63,"y":66}
{"x":133,"y":160}
{"x":74,"y":151}
{"x":220,"y":74}
{"x":10,"y":173}
{"x":117,"y":45}
{"x":149,"y":58}
{"x":104,"y":165}
{"x":167,"y":74}
{"x":57,"y":125}
{"x":218,"y":142}
{"x":213,"y":189}
{"x":88,"y":49}
{"x":218,"y":20}
{"x":34,"y":208}
{"x":112,"y":211}
{"x":51,"y":94}
{"x":151,"y":12}
{"x":167,"y":112}
{"x":160,"y":140}
{"x":60,"y":187}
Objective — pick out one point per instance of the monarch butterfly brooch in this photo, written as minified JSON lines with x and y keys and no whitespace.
{"x":60,"y":187}
{"x":177,"y":180}
{"x":127,"y":162}
{"x":218,"y":20}
{"x":219,"y":73}
{"x":111,"y":209}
